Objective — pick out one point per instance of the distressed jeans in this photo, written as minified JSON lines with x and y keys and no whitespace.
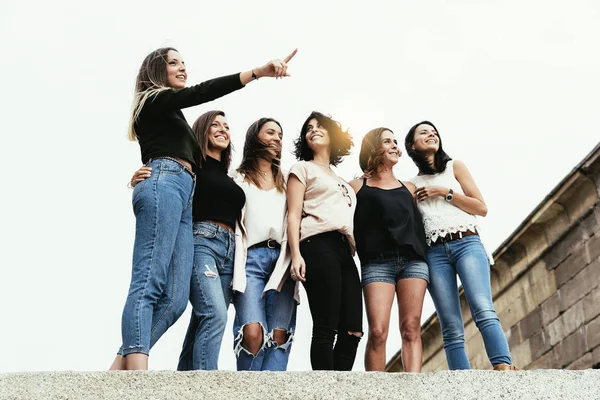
{"x":466,"y":258}
{"x":210,"y":295}
{"x":273,"y":310}
{"x":162,"y":256}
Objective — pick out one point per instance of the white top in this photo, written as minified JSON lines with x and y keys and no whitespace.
{"x":281,"y":271}
{"x":265,"y":210}
{"x":439,"y":216}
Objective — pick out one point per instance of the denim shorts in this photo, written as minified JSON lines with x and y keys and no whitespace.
{"x":391,"y":266}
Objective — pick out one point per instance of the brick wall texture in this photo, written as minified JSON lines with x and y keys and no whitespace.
{"x":545,"y":284}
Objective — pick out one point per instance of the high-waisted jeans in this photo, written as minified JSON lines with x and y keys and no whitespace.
{"x":162,"y":255}
{"x":210,"y":295}
{"x":466,"y":258}
{"x":273,"y":310}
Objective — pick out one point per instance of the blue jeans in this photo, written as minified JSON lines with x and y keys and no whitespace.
{"x":162,"y":255}
{"x":466,"y":258}
{"x":210,"y":295}
{"x":274,"y":310}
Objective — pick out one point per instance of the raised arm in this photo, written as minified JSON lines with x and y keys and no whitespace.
{"x":176,"y":99}
{"x":295,"y":201}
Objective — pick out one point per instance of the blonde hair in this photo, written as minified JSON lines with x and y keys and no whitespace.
{"x":151,"y":80}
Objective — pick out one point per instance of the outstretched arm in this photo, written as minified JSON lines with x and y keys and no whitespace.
{"x":275,"y":69}
{"x":176,"y":99}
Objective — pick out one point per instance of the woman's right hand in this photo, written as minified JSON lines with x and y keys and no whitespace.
{"x":140,"y":175}
{"x":298,"y":269}
{"x":275,"y":68}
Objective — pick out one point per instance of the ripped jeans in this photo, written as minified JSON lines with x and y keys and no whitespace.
{"x":273,"y":311}
{"x":210,"y":295}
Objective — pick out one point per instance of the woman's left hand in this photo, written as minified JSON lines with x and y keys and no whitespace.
{"x":426,"y":192}
{"x":275,"y":68}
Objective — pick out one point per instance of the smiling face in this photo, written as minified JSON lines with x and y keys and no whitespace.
{"x":426,"y":139}
{"x":176,"y":73}
{"x":316,"y":135}
{"x":389,"y":146}
{"x":218,"y":134}
{"x":270,"y":134}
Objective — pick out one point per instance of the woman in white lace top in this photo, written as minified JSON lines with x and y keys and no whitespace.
{"x":449,"y":200}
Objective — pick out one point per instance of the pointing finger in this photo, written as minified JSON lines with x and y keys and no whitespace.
{"x":288,"y":58}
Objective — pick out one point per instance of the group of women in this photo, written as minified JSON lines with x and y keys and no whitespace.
{"x":250,"y":237}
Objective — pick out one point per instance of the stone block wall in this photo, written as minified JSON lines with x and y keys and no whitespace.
{"x":545,"y":284}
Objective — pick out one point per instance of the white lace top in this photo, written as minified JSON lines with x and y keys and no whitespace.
{"x":439,"y":216}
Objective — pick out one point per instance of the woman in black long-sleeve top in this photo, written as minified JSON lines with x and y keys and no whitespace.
{"x":163,"y":248}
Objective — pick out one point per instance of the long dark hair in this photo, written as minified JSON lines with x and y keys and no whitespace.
{"x":151,"y":79}
{"x":254,"y":150}
{"x":440,"y":159}
{"x":371,"y":152}
{"x":340,"y":140}
{"x":201,"y":128}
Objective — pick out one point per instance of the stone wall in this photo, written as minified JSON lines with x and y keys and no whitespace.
{"x":545,"y":284}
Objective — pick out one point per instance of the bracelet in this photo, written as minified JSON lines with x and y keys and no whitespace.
{"x":129,"y":185}
{"x":254,"y":75}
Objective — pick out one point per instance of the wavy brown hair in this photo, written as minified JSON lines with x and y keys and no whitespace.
{"x":254,"y":150}
{"x":371,"y":152}
{"x":340,"y":141}
{"x":151,"y":79}
{"x":201,"y":128}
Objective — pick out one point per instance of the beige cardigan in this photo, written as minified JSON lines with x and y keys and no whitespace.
{"x":281,"y":272}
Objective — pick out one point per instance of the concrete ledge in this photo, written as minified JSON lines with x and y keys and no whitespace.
{"x":541,"y":384}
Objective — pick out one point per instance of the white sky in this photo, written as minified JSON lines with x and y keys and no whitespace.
{"x":512,"y":86}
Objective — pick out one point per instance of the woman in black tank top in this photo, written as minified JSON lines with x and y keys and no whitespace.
{"x":390,"y":242}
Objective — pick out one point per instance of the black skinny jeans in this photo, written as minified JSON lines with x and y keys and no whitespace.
{"x":335,"y":299}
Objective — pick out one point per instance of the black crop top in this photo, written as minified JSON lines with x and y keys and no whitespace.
{"x":388,"y":219}
{"x":161,"y":128}
{"x":217,"y":196}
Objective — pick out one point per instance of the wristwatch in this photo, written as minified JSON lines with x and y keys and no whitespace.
{"x":450,"y":195}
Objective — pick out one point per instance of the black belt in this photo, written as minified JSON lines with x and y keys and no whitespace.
{"x":271,"y":244}
{"x":452,"y":236}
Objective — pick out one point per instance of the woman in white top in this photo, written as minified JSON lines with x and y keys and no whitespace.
{"x":449,"y":200}
{"x":320,"y":228}
{"x":263,"y":293}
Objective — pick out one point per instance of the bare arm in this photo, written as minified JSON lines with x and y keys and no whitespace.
{"x":471,"y":202}
{"x":411,"y":187}
{"x":295,"y":201}
{"x":356,"y":184}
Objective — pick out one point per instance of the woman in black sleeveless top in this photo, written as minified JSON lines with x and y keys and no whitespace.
{"x":390,"y":242}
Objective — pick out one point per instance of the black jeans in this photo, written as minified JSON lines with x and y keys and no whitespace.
{"x":335,"y":299}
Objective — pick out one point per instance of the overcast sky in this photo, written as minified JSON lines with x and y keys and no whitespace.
{"x":512,"y":87}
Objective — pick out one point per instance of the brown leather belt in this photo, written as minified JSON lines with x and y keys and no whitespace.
{"x":452,"y":236}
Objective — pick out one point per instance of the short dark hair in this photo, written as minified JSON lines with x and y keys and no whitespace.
{"x":340,"y":141}
{"x":440,"y":159}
